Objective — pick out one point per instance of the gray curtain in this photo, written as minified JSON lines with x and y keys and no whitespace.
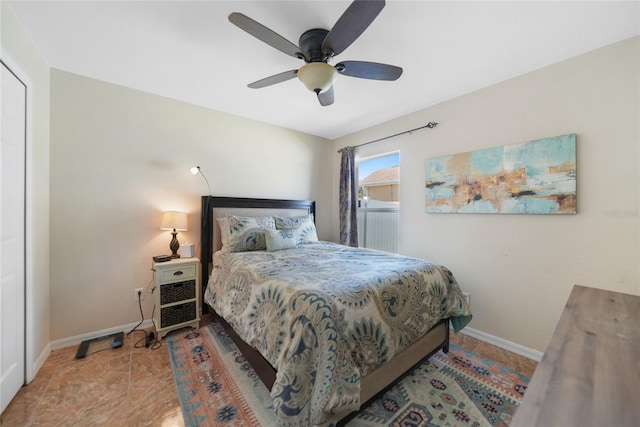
{"x":348,"y":198}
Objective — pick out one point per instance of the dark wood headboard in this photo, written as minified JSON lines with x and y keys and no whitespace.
{"x":211,"y":204}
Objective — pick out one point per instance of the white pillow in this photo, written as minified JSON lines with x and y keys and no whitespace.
{"x":280,"y":239}
{"x":304,"y":226}
{"x":306,"y":233}
{"x":291,"y":221}
{"x":223,"y":223}
{"x":247,"y":233}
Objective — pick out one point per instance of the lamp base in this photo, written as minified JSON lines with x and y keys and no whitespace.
{"x":174,"y":245}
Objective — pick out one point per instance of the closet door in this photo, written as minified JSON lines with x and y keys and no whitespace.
{"x":12,"y":236}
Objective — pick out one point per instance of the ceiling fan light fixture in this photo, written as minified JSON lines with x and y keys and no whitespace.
{"x":318,"y":77}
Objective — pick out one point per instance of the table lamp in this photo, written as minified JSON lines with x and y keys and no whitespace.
{"x":176,"y":221}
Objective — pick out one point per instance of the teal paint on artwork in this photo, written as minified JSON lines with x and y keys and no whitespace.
{"x":487,"y":179}
{"x":529,"y":206}
{"x":488,"y":161}
{"x":481,"y":206}
{"x":436,"y":168}
{"x":439,"y":193}
{"x":537,"y":156}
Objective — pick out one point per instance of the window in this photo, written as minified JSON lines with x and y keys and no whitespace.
{"x":378,"y":202}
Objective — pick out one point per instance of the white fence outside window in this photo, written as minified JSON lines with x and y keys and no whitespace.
{"x":378,"y":225}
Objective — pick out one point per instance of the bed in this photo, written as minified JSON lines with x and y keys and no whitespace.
{"x":325,"y":326}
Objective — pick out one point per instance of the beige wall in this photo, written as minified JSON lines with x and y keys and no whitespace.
{"x":121,"y":157}
{"x":22,"y":57}
{"x":520,"y":269}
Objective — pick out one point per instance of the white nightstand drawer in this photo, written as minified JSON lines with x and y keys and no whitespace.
{"x":177,"y":273}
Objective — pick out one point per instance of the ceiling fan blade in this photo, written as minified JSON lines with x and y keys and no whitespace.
{"x":369,"y":70}
{"x":327,"y":97}
{"x":276,"y":78}
{"x":268,"y":36}
{"x":358,"y":16}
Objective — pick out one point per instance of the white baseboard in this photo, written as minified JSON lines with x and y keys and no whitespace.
{"x":37,"y":364}
{"x":502,"y":343}
{"x":76,"y":340}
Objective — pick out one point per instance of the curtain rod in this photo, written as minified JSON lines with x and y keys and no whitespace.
{"x":429,"y":125}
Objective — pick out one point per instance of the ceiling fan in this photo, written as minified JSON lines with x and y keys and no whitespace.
{"x":318,"y":46}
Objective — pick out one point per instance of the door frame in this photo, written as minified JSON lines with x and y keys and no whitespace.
{"x":30,"y":366}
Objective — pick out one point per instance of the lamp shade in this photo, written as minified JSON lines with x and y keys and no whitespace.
{"x":173,"y":220}
{"x":317,"y":76}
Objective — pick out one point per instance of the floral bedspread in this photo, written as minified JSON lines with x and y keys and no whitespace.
{"x":324,"y":315}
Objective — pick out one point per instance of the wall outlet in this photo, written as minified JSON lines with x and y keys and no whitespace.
{"x":135,"y":294}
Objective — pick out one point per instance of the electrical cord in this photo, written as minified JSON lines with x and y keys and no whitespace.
{"x":149,"y":340}
{"x":156,"y":344}
{"x":135,"y":328}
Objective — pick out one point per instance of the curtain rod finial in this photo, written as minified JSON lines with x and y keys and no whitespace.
{"x":431,"y":125}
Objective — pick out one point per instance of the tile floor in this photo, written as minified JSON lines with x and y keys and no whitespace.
{"x":129,"y":386}
{"x":133,"y":386}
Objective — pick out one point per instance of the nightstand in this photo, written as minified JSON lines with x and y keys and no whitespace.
{"x":177,"y":295}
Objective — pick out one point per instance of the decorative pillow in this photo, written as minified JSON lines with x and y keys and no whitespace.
{"x":280,"y":239}
{"x":223,"y":223}
{"x":247,"y":233}
{"x":307,"y":233}
{"x":304,"y":226}
{"x":291,"y":221}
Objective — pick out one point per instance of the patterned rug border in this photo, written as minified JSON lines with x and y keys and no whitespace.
{"x":177,"y":358}
{"x":217,"y":387}
{"x":490,"y":379}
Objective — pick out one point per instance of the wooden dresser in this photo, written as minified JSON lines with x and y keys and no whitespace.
{"x":590,"y":373}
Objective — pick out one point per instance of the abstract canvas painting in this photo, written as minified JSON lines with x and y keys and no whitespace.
{"x":536,"y":177}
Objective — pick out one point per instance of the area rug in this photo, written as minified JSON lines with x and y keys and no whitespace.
{"x":217,"y":387}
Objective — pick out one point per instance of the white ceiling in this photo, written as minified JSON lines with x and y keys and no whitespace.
{"x":189,"y":51}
